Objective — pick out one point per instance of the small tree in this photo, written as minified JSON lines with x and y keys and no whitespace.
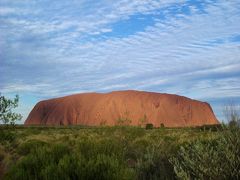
{"x":6,"y":107}
{"x":103,"y":122}
{"x":124,"y":120}
{"x":162,"y":125}
{"x":143,"y":120}
{"x":231,"y":112}
{"x":149,"y":126}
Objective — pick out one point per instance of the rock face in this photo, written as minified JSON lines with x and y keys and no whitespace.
{"x":122,"y":107}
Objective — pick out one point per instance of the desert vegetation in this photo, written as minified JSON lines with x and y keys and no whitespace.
{"x":122,"y":152}
{"x":231,"y":111}
{"x":7,"y":116}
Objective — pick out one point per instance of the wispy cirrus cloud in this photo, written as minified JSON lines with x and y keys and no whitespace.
{"x":50,"y":49}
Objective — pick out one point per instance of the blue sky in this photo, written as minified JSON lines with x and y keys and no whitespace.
{"x":54,"y":48}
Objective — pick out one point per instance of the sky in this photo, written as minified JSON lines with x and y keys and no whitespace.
{"x":54,"y":48}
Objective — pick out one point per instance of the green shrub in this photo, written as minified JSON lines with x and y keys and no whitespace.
{"x":123,"y":121}
{"x":33,"y":131}
{"x":7,"y":135}
{"x":28,"y":146}
{"x":154,"y":165}
{"x":38,"y":160}
{"x":143,"y":120}
{"x":123,"y":153}
{"x":1,"y":154}
{"x":93,"y":161}
{"x":210,"y":159}
{"x":211,"y":127}
{"x":149,"y":126}
{"x":107,"y":167}
{"x":234,"y":124}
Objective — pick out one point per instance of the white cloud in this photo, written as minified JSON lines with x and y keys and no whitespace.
{"x":6,"y":11}
{"x":55,"y":53}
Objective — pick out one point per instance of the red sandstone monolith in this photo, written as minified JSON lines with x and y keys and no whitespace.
{"x":122,"y":107}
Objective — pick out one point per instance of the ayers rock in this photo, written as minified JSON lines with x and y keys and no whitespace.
{"x":109,"y":108}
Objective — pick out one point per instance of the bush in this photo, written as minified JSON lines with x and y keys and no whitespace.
{"x":7,"y":135}
{"x":123,"y":153}
{"x":58,"y":161}
{"x":7,"y":116}
{"x":211,"y":127}
{"x":106,"y":167}
{"x":233,"y":124}
{"x":211,"y":159}
{"x":2,"y":153}
{"x":37,"y":163}
{"x":31,"y":145}
{"x":154,"y":165}
{"x":149,"y":126}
